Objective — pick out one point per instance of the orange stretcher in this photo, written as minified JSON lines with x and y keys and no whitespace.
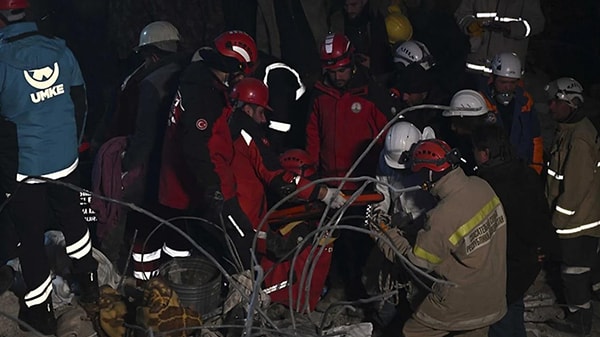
{"x":314,"y":209}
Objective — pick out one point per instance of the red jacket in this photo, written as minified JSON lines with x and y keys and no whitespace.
{"x":198,"y":150}
{"x":341,"y":125}
{"x":256,"y":167}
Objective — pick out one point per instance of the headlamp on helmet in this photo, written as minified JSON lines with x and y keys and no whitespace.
{"x":566,"y":89}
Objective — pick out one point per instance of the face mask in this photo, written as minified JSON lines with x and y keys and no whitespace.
{"x":504,"y":98}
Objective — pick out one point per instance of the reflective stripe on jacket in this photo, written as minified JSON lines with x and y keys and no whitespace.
{"x":573,"y":181}
{"x":464,"y":242}
{"x":525,"y":131}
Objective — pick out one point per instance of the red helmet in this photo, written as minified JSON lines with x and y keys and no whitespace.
{"x":298,"y":161}
{"x":13,"y":4}
{"x":435,"y":155}
{"x":336,"y":51}
{"x":240,"y":46}
{"x":253,"y":91}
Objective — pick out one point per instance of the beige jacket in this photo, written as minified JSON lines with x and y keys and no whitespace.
{"x":573,"y":182}
{"x":464,"y":243}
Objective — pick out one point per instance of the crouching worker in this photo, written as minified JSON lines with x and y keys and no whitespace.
{"x":463,"y":242}
{"x":258,"y":170}
{"x":404,"y":208}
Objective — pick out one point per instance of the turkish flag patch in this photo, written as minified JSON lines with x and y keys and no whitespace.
{"x":201,"y":124}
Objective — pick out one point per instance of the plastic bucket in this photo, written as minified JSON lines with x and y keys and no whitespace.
{"x":196,"y":281}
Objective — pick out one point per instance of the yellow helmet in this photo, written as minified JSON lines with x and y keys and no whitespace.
{"x":398,"y":27}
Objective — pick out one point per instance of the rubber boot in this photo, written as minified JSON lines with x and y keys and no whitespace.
{"x":88,"y":287}
{"x":89,"y":296}
{"x":40,"y":317}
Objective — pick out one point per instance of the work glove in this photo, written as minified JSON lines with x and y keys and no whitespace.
{"x":334,"y":198}
{"x":475,"y":28}
{"x":395,"y":236}
{"x":401,"y":220}
{"x":282,"y":187}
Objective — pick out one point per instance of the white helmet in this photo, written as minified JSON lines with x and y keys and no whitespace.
{"x":466,"y":103}
{"x":400,"y":138}
{"x":507,"y":65}
{"x":161,"y":34}
{"x":410,"y":52}
{"x":566,"y":89}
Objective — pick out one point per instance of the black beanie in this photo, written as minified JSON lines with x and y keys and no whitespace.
{"x":413,"y":79}
{"x":217,"y":61}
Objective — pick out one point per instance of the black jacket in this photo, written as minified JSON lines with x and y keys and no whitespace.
{"x":528,"y":219}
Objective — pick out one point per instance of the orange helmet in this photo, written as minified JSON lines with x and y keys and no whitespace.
{"x":336,"y":51}
{"x":435,"y":155}
{"x":253,"y":91}
{"x":240,"y":46}
{"x":298,"y":161}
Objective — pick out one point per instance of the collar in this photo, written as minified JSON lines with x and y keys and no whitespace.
{"x":18,"y":28}
{"x":449,"y":183}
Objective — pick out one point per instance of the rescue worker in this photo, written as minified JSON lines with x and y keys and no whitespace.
{"x":434,"y":25}
{"x":392,"y":169}
{"x":513,"y":108}
{"x":286,"y":121}
{"x":347,"y":111}
{"x":153,"y":87}
{"x":468,"y":111}
{"x":196,"y":173}
{"x":415,"y":83}
{"x":254,"y":163}
{"x":43,"y":94}
{"x":527,"y":218}
{"x":496,"y":26}
{"x":365,"y":27}
{"x":406,"y":209}
{"x":257,"y":171}
{"x":463,"y":241}
{"x":573,"y":191}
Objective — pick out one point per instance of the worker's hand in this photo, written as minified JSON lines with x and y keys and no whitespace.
{"x":378,"y":220}
{"x":399,"y":242}
{"x":475,"y":28}
{"x":281,"y":186}
{"x":334,"y":198}
{"x":401,"y":220}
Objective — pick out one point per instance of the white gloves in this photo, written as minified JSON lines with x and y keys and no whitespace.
{"x":334,"y":198}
